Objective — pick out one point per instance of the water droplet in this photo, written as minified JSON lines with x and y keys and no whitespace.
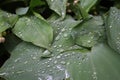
{"x":54,"y":46}
{"x":58,"y":56}
{"x":65,"y":35}
{"x":63,"y":30}
{"x":34,"y":57}
{"x":59,"y":67}
{"x":61,"y":50}
{"x":39,"y":78}
{"x":62,"y":62}
{"x":49,"y":78}
{"x":43,"y":71}
{"x":57,"y":38}
{"x":110,"y":26}
{"x":50,"y":59}
{"x":88,"y":41}
{"x":20,"y":72}
{"x":25,"y":62}
{"x":55,"y":61}
{"x":48,"y":65}
{"x":18,"y":59}
{"x":60,"y":45}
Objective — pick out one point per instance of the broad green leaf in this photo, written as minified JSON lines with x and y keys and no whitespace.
{"x":113,"y":29}
{"x":62,"y":31}
{"x":35,"y":30}
{"x":87,"y":4}
{"x":89,"y":32}
{"x":25,"y":61}
{"x":22,"y":10}
{"x":59,"y":6}
{"x":7,"y":20}
{"x":102,"y":63}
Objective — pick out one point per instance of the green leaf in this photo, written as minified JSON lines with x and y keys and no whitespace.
{"x":89,"y":32}
{"x":59,"y":6}
{"x":62,"y":30}
{"x":25,"y":61}
{"x":102,"y":63}
{"x":7,"y":20}
{"x":35,"y":30}
{"x":22,"y":10}
{"x":87,"y":4}
{"x":113,"y":29}
{"x":35,"y":3}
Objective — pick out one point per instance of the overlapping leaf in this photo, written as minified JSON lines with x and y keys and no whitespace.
{"x":35,"y":30}
{"x":89,"y":32}
{"x":87,"y":4}
{"x":7,"y":20}
{"x":113,"y":29}
{"x":59,"y":6}
{"x":102,"y":63}
{"x":25,"y":61}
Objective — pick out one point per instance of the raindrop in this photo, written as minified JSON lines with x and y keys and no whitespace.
{"x":60,"y":45}
{"x":25,"y":62}
{"x":63,"y":30}
{"x":39,"y":78}
{"x":49,"y":78}
{"x":54,"y":46}
{"x":48,"y":65}
{"x":34,"y":57}
{"x":58,"y":56}
{"x":61,"y":50}
{"x":60,"y":67}
{"x":62,"y":62}
{"x":43,"y":71}
{"x":55,"y":61}
{"x":52,"y":0}
{"x":17,"y":59}
{"x":88,"y":41}
{"x":65,"y":35}
{"x":110,"y":26}
{"x":57,"y":38}
{"x":20,"y":72}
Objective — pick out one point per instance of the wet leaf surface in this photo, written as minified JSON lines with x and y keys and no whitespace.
{"x":113,"y":29}
{"x":35,"y":30}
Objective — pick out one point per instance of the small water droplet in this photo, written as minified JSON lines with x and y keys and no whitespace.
{"x":59,"y":67}
{"x":58,"y":57}
{"x":48,"y":65}
{"x":65,"y":35}
{"x":60,"y":45}
{"x":110,"y":26}
{"x":20,"y":72}
{"x":54,"y":46}
{"x":25,"y":62}
{"x":63,"y":30}
{"x":34,"y":58}
{"x":88,"y":41}
{"x":18,"y":59}
{"x":62,"y":62}
{"x":55,"y":61}
{"x":39,"y":78}
{"x":49,"y":78}
{"x":57,"y":38}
